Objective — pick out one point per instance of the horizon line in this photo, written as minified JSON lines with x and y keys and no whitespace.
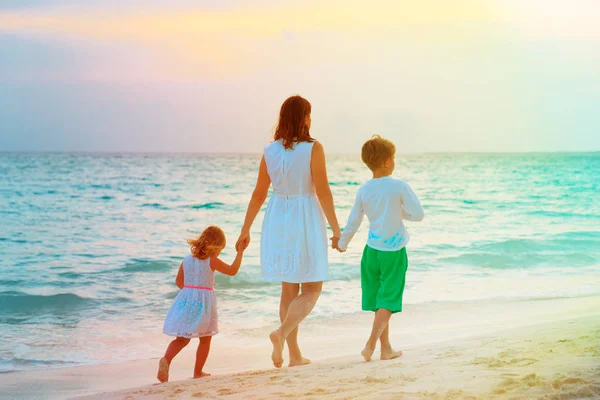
{"x":101,"y":152}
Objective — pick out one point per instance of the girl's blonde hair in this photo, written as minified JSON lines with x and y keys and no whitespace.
{"x":209,"y":243}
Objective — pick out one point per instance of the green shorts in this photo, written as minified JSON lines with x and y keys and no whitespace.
{"x":382,"y":279}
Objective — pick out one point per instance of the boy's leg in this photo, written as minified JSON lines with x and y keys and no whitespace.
{"x":381,"y":321}
{"x":387,"y":352}
{"x":369,"y":283}
{"x":393,"y":280}
{"x":174,"y":348}
{"x":201,"y":356}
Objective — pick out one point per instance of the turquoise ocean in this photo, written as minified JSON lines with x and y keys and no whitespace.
{"x":90,"y":244}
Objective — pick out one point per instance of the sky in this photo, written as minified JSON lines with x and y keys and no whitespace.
{"x":210,"y":76}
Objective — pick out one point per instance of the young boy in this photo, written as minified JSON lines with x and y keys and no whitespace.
{"x":386,"y":201}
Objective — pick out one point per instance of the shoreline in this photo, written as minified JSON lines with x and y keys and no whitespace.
{"x":417,"y":331}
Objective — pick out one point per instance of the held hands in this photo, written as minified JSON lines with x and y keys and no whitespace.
{"x":335,"y":243}
{"x":242,"y":242}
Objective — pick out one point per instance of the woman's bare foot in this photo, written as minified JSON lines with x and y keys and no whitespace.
{"x":367,"y":353}
{"x":163,"y":370}
{"x":299,"y":362}
{"x":390,"y":354}
{"x":202,"y":375}
{"x":277,"y":355}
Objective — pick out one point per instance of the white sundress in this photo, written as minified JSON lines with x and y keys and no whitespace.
{"x":293,"y":246}
{"x":194,"y":310}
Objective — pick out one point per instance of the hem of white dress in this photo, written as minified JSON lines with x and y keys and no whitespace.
{"x":278,"y":279}
{"x":199,"y":335}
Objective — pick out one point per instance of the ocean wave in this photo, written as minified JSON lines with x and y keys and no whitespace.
{"x":562,"y":214}
{"x":155,"y":205}
{"x":22,"y":363}
{"x":70,"y":275}
{"x":212,"y":205}
{"x":141,"y":265}
{"x":577,"y":240}
{"x":521,"y":260}
{"x":23,"y":303}
{"x":345,"y":183}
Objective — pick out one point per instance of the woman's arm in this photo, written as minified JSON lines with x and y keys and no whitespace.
{"x":179,"y":279}
{"x":318,"y":170}
{"x":231,"y":270}
{"x":256,"y":201}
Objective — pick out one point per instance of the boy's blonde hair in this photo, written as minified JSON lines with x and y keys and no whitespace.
{"x":376,"y":150}
{"x":210,"y":242}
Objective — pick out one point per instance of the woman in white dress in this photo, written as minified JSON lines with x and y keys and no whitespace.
{"x":293,"y":248}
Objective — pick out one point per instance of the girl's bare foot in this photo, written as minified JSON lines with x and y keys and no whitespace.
{"x":389,"y":354}
{"x":277,"y":355}
{"x":163,"y":370}
{"x":367,"y":353}
{"x":202,"y":375}
{"x":297,"y":363}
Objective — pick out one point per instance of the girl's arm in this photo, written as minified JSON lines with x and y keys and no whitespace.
{"x":256,"y":201}
{"x":179,"y":279}
{"x":231,"y":270}
{"x":318,"y":170}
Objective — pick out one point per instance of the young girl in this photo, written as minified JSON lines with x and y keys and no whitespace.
{"x":194,"y":311}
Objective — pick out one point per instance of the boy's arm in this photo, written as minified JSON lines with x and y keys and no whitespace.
{"x":354,"y":220}
{"x":224,"y":268}
{"x":412,"y":209}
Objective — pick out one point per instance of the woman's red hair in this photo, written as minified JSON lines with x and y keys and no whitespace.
{"x":292,"y":122}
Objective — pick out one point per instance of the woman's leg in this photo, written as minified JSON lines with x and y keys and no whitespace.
{"x":289,"y":292}
{"x":299,"y":308}
{"x":201,"y":356}
{"x":174,"y":348}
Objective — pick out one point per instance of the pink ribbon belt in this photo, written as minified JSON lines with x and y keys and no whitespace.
{"x":197,"y":287}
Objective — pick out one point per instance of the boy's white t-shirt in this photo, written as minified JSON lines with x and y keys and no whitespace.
{"x":386,"y":202}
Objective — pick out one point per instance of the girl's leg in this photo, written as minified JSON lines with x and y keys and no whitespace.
{"x":201,"y":356}
{"x":382,"y":318}
{"x":174,"y":348}
{"x":289,"y":292}
{"x":300,"y":307}
{"x":387,"y":352}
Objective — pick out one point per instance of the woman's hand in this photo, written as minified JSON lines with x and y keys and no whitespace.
{"x":258,"y":198}
{"x":243,"y":241}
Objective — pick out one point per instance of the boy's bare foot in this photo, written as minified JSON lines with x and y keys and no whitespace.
{"x":277,"y":355}
{"x":367,"y":353}
{"x":163,"y":370}
{"x":202,"y":375}
{"x":390,"y":354}
{"x":297,"y":363}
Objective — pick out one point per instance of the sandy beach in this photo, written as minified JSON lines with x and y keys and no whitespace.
{"x":549,"y":349}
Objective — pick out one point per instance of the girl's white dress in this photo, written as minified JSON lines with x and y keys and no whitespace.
{"x":293,"y":246}
{"x":194,"y":311}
